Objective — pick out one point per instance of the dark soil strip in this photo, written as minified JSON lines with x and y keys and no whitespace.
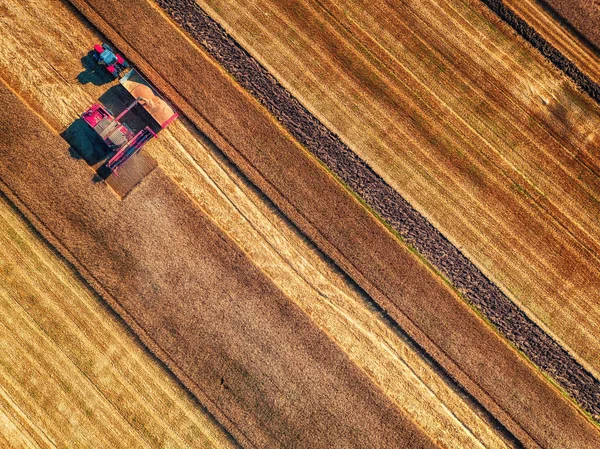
{"x":581,"y":80}
{"x":389,"y":204}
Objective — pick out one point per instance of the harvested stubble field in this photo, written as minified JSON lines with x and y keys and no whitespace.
{"x":565,"y":39}
{"x":497,"y":147}
{"x":437,"y":319}
{"x":251,"y":356}
{"x":71,"y":373}
{"x":44,"y":71}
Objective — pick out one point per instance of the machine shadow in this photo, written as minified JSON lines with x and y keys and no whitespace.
{"x":85,"y":144}
{"x":92,"y":72}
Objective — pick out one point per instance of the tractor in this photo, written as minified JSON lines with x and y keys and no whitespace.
{"x":114,"y":62}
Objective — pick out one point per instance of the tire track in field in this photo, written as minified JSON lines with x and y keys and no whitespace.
{"x":414,"y":228}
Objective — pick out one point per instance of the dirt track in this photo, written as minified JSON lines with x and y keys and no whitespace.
{"x":496,"y":306}
{"x":358,"y":243}
{"x":257,"y":362}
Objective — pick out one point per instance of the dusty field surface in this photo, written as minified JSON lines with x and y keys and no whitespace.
{"x":583,"y":15}
{"x":378,"y":75}
{"x":257,"y":362}
{"x":49,"y":78}
{"x":344,"y":229}
{"x":71,"y":373}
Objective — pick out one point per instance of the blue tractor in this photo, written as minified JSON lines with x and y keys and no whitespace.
{"x":114,"y":62}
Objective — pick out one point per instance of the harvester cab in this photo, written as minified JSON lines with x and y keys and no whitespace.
{"x":114,"y":62}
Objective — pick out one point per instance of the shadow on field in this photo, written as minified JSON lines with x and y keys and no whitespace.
{"x":85,"y":144}
{"x":92,"y":72}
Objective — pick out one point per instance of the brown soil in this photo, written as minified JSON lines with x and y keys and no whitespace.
{"x":388,"y":203}
{"x":583,"y":15}
{"x":438,"y":320}
{"x":130,"y":174}
{"x":252,"y":357}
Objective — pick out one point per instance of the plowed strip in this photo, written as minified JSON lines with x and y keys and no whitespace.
{"x":258,"y":363}
{"x":438,"y":320}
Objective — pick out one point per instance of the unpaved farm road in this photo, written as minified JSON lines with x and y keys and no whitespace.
{"x":435,"y":317}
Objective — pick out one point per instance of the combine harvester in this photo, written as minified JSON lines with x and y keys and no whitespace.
{"x":120,"y":137}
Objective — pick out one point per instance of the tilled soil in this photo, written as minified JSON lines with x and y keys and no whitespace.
{"x":389,"y":204}
{"x":257,"y":362}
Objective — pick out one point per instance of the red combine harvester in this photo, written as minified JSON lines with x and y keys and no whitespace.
{"x":118,"y":136}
